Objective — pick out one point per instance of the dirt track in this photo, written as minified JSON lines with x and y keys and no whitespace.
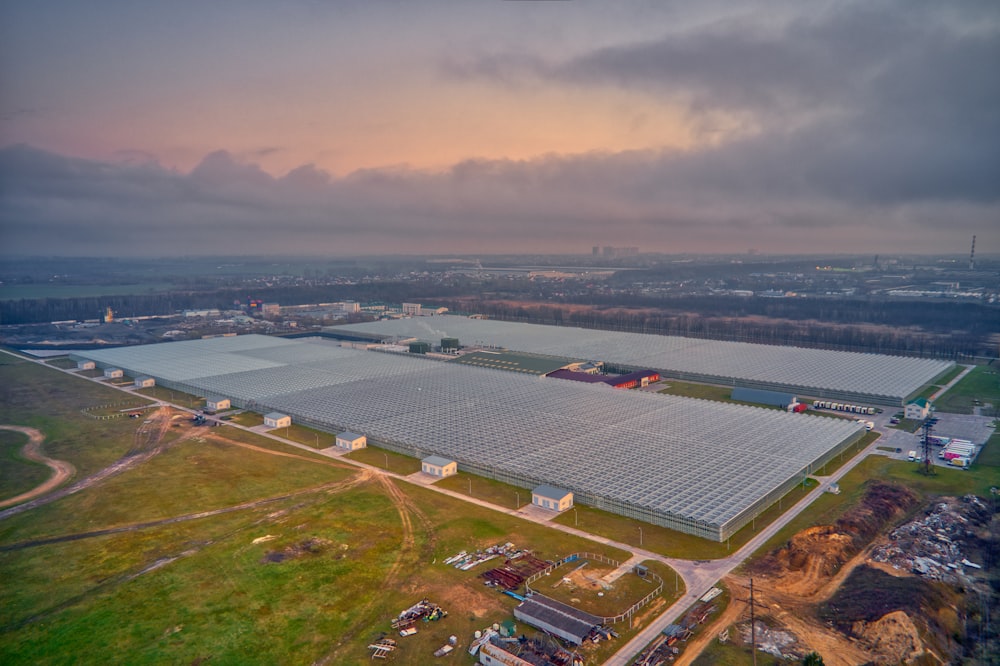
{"x":62,"y":470}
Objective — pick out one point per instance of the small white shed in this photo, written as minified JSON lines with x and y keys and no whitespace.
{"x":217,"y":404}
{"x":438,"y":466}
{"x":114,"y":373}
{"x":550,"y":497}
{"x":277,"y":420}
{"x":144,"y":382}
{"x":85,"y":365}
{"x":351,"y":441}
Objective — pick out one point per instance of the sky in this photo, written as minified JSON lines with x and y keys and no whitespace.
{"x":341,"y":128}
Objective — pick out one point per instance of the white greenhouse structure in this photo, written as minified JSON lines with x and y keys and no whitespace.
{"x":701,"y":467}
{"x":818,"y":373}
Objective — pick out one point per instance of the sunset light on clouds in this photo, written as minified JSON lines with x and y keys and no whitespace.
{"x":370,"y":127}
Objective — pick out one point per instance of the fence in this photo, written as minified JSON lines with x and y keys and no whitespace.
{"x":613,"y":619}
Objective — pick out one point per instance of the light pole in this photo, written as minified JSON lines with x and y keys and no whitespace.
{"x":470,"y":486}
{"x":517,"y":503}
{"x":640,"y":536}
{"x":386,"y":460}
{"x":576,"y":520}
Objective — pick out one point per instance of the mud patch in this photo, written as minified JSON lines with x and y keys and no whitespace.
{"x":311,"y":546}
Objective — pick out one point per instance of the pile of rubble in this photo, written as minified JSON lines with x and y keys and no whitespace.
{"x":422,"y":610}
{"x":932,"y":546}
{"x":777,"y":642}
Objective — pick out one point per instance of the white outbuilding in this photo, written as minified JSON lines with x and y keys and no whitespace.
{"x":144,"y":381}
{"x":217,"y":404}
{"x":114,"y":373}
{"x":351,"y":441}
{"x":550,"y":497}
{"x":85,"y":365}
{"x":918,"y":409}
{"x":438,"y":466}
{"x":277,"y":420}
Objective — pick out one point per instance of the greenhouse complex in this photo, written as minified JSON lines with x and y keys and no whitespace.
{"x":847,"y":376}
{"x":701,"y":467}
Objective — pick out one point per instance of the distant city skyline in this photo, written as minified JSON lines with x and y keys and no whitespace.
{"x":305,"y":128}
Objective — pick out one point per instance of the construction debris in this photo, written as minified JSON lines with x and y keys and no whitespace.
{"x":515,"y":570}
{"x":933,"y":546}
{"x":422,"y":610}
{"x":779,"y":643}
{"x":382,"y":648}
{"x":465,"y":560}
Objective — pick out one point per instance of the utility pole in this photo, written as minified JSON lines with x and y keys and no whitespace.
{"x":752,"y":603}
{"x":753,"y":626}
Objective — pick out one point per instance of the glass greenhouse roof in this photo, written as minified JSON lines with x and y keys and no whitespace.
{"x":694,"y":459}
{"x":884,"y":379}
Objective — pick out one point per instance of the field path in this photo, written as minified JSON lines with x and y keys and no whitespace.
{"x":61,"y":469}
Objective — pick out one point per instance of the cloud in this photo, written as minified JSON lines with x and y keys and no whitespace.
{"x":865,"y":126}
{"x":52,"y":204}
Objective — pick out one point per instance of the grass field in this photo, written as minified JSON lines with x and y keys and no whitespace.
{"x":215,"y":551}
{"x":19,"y":291}
{"x":175,"y":397}
{"x":380,"y":458}
{"x":17,"y":474}
{"x":982,"y":385}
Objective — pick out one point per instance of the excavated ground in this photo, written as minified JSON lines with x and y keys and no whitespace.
{"x":823,"y":589}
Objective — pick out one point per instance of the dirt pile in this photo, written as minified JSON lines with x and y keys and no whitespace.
{"x":893,"y":638}
{"x":813,"y":556}
{"x":937,"y":544}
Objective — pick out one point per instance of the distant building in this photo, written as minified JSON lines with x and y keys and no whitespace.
{"x":918,"y":410}
{"x":271,"y":309}
{"x":762,"y":397}
{"x":351,"y":441}
{"x":550,"y":497}
{"x":438,"y":466}
{"x":85,"y":365}
{"x":144,"y":382}
{"x":277,"y":420}
{"x":114,"y":373}
{"x":411,"y":309}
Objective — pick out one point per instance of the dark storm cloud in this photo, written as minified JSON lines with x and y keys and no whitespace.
{"x":873,"y":102}
{"x":871,"y":126}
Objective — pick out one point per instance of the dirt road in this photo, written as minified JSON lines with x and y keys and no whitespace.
{"x":62,"y":470}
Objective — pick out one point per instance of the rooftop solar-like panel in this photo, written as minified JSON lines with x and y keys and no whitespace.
{"x":819,"y":373}
{"x":696,"y":465}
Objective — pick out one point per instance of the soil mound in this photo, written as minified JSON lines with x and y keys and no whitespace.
{"x":893,"y":638}
{"x":813,"y":556}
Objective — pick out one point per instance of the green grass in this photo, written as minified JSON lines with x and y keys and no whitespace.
{"x":376,"y":457}
{"x":950,"y":375}
{"x":173,"y":397}
{"x":909,"y":425}
{"x":982,"y":384}
{"x":304,"y":435}
{"x":248,"y":419}
{"x":51,"y":401}
{"x":46,"y":290}
{"x":17,"y":473}
{"x":495,"y":492}
{"x":62,"y":362}
{"x":990,"y":455}
{"x":693,"y":390}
